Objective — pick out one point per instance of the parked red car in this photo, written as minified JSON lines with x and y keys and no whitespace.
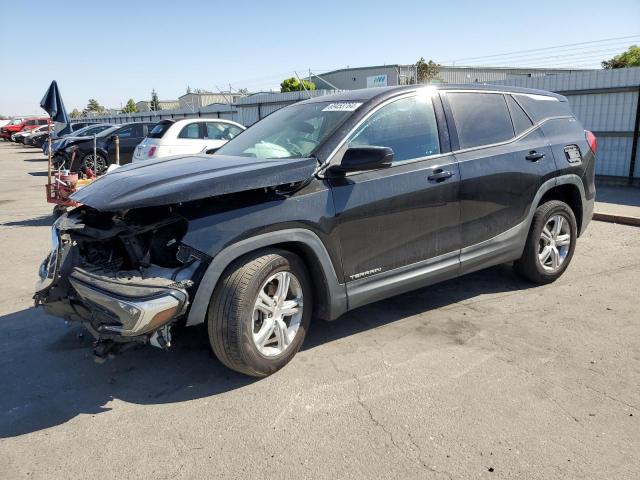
{"x":26,"y":124}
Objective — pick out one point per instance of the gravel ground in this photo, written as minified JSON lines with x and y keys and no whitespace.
{"x":481,"y":377}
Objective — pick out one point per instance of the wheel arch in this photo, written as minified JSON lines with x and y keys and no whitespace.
{"x":569,"y":194}
{"x":331,"y":299}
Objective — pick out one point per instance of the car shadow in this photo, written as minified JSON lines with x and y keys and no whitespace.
{"x":41,"y":221}
{"x":49,"y":377}
{"x":38,"y":174}
{"x":43,"y":159}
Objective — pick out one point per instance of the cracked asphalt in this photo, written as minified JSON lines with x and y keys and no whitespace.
{"x":481,"y":377}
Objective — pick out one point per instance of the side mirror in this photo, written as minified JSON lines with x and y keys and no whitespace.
{"x":357,"y":159}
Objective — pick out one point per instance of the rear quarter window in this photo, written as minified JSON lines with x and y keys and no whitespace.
{"x":480,"y":118}
{"x":159,"y":130}
{"x":539,"y":107}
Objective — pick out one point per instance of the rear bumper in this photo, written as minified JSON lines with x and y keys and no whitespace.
{"x":587,"y":214}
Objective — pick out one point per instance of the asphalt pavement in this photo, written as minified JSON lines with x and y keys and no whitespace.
{"x":485,"y":376}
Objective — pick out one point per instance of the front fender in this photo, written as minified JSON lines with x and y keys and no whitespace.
{"x":336,"y":292}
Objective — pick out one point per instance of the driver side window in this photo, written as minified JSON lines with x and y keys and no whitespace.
{"x":407,"y":126}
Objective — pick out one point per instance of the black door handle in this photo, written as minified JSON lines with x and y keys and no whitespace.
{"x":439,"y":175}
{"x":534,"y":156}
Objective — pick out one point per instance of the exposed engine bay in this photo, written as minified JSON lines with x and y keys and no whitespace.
{"x":126,"y":276}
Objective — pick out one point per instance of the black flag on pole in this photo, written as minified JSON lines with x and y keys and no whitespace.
{"x":53,"y":105}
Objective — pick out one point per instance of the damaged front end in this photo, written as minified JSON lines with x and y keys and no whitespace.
{"x":126,"y":276}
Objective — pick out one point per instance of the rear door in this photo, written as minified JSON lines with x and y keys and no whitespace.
{"x":503,"y":160}
{"x":190,"y":139}
{"x":393,"y":220}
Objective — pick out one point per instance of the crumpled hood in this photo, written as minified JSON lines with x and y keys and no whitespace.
{"x":183,"y":179}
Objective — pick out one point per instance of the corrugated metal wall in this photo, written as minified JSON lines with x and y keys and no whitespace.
{"x":210,"y":111}
{"x":256,"y":107}
{"x":606,"y":102}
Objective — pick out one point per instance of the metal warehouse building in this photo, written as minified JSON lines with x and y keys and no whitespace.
{"x":607,"y":102}
{"x":391,"y":75}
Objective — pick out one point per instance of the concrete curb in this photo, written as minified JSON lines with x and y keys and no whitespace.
{"x":621,"y":219}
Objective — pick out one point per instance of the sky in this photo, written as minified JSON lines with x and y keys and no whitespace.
{"x":116,"y":50}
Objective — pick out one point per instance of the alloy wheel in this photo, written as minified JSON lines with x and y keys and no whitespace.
{"x":277,"y":313}
{"x":554,"y":243}
{"x":98,"y":165}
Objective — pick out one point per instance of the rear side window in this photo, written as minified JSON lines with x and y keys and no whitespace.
{"x":480,"y":118}
{"x":30,"y":123}
{"x":221,"y":131}
{"x":127,"y":132}
{"x":408,"y":126}
{"x":192,"y":132}
{"x":521,"y":121}
{"x":42,"y":122}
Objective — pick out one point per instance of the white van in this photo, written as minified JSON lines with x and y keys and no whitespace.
{"x":187,"y":136}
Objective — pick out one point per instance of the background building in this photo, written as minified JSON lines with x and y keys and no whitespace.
{"x":145,"y":105}
{"x":194,"y":101}
{"x":391,"y":75}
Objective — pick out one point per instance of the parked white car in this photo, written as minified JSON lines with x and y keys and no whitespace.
{"x":187,"y":136}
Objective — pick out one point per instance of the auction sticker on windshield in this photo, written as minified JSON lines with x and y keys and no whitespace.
{"x":341,"y":107}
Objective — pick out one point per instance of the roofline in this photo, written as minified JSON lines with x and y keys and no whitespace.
{"x":454,"y":67}
{"x":388,"y":92}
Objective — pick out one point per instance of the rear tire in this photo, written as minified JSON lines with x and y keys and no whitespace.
{"x":260,"y":312}
{"x":550,"y":244}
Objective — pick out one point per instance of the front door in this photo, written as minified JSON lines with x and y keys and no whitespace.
{"x":392,"y":220}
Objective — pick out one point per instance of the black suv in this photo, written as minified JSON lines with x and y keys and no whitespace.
{"x":78,"y":153}
{"x":322,"y":207}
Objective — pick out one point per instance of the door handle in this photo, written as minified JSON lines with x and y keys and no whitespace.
{"x":534,"y":156}
{"x":439,"y":175}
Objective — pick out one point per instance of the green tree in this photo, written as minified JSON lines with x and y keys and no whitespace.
{"x":426,"y":71}
{"x":293,"y":85}
{"x":130,"y":107}
{"x":155,"y":103}
{"x":94,"y":107}
{"x":629,"y":58}
{"x":75,"y":113}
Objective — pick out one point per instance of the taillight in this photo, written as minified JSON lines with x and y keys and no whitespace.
{"x":151,"y":152}
{"x":591,"y":140}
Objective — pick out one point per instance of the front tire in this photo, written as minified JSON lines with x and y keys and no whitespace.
{"x":98,"y":166}
{"x":260,"y":312}
{"x":550,"y":245}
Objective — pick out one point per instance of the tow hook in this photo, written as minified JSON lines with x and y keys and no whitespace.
{"x":161,"y":338}
{"x":104,"y":350}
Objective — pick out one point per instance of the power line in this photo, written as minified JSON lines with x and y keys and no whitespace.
{"x":566,"y":59}
{"x":567,"y":53}
{"x":543,"y":49}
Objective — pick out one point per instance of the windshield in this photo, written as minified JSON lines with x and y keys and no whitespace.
{"x":291,"y":132}
{"x":91,"y":130}
{"x":108,"y":131}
